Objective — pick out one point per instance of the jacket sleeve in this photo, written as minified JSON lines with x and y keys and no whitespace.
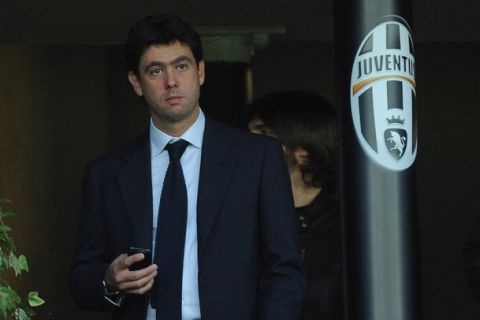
{"x":90,"y":261}
{"x":281,"y":281}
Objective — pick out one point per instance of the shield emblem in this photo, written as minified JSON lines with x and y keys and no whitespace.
{"x":396,"y":141}
{"x":382,"y":96}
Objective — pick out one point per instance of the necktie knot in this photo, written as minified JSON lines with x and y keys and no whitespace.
{"x":176,"y":149}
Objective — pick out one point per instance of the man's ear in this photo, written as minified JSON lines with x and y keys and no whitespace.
{"x":201,"y":72}
{"x":300,"y":155}
{"x":135,"y":82}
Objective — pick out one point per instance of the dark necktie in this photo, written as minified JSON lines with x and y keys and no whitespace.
{"x":166,"y":294}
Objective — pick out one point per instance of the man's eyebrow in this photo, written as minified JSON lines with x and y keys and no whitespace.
{"x":181,"y":58}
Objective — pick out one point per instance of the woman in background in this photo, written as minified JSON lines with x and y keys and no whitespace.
{"x":305,"y":124}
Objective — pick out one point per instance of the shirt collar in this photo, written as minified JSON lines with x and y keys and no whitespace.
{"x":193,"y":135}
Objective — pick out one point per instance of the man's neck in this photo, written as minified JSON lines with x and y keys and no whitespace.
{"x":176,"y":129}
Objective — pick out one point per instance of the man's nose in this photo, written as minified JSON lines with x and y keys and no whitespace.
{"x":171,"y":78}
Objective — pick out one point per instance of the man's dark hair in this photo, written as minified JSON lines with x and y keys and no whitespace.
{"x":303,"y":120}
{"x":159,"y":30}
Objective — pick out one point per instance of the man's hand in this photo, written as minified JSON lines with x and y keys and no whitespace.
{"x":136,"y":282}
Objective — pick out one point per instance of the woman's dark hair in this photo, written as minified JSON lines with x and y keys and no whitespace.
{"x":159,"y":30}
{"x":303,"y":120}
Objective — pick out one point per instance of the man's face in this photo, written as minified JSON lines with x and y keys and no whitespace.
{"x":256,"y":125}
{"x":169,"y":79}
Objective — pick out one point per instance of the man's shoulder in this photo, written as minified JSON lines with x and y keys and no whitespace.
{"x":117,"y":157}
{"x":240,"y":136}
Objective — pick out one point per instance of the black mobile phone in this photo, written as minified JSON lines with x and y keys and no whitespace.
{"x":143,"y":263}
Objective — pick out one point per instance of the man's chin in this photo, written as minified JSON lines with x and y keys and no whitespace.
{"x":177,"y":114}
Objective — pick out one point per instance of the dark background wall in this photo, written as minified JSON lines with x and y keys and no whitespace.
{"x":61,"y":105}
{"x":53,"y":118}
{"x":448,"y":175}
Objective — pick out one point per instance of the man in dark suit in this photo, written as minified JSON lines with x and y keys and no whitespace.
{"x":235,"y":228}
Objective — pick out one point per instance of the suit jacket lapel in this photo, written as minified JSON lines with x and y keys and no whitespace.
{"x":216,"y":169}
{"x":136,"y":187}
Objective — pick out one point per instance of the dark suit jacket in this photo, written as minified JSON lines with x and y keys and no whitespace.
{"x":248,"y":252}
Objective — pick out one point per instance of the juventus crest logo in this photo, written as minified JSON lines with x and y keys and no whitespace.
{"x":383,"y":95}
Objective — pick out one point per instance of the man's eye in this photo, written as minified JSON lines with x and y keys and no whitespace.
{"x":268,"y":132}
{"x":182,"y":67}
{"x":156,"y":71}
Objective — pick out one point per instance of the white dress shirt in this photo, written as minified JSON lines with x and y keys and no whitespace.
{"x":191,"y":170}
